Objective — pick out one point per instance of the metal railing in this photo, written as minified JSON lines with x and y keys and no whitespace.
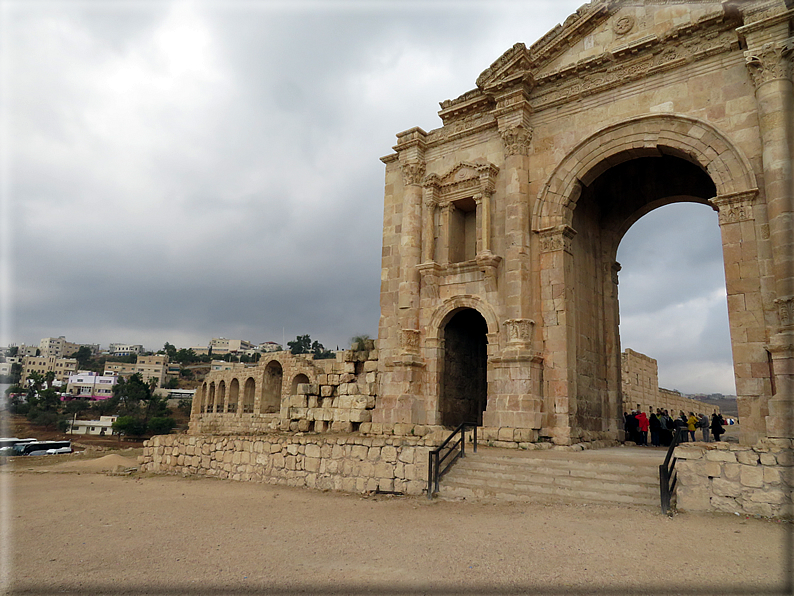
{"x":434,"y":470}
{"x":667,"y":475}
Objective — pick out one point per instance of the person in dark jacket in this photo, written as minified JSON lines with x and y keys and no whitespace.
{"x":716,"y":426}
{"x":655,"y":426}
{"x":632,"y":427}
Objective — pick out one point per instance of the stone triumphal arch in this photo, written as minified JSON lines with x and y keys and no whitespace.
{"x":499,"y":295}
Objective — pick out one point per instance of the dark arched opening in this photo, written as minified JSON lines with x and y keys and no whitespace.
{"x":464,"y":380}
{"x":271,"y":390}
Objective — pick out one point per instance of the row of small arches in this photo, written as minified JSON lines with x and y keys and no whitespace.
{"x":240,"y":393}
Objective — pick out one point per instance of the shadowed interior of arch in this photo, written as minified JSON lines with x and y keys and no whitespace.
{"x":604,"y":211}
{"x":464,"y":385}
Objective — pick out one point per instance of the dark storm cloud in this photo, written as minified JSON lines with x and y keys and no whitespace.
{"x":187,"y":170}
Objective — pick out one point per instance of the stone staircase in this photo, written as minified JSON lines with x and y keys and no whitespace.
{"x":619,"y":477}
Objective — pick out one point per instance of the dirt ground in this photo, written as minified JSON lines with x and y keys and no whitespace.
{"x":70,"y":526}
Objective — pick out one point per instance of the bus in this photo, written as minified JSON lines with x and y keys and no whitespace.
{"x":43,"y":448}
{"x":7,"y":444}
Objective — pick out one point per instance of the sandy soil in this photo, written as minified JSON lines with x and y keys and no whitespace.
{"x":72,"y":528}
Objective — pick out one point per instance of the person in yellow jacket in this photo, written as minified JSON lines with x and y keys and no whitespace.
{"x":691,"y":425}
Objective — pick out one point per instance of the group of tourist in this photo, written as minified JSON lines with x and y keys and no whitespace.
{"x":663,"y":427}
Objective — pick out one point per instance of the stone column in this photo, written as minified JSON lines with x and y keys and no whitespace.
{"x":513,"y":113}
{"x":446,"y":222}
{"x":429,"y":213}
{"x":556,"y":279}
{"x":770,"y":67}
{"x":745,"y":310}
{"x":411,"y":148}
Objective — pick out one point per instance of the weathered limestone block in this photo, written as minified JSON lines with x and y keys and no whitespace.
{"x":752,"y":476}
{"x":719,"y":455}
{"x":726,"y":488}
{"x":762,"y":509}
{"x":693,"y":498}
{"x":360,"y":415}
{"x":725,"y":504}
{"x":388,"y":453}
{"x":775,"y":496}
{"x":747,"y":457}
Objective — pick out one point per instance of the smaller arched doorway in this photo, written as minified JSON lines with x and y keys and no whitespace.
{"x":463,"y":394}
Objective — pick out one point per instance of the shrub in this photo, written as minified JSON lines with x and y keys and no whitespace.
{"x":161,"y":425}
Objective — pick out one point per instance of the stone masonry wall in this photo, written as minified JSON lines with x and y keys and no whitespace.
{"x":733,"y":478}
{"x":346,"y":463}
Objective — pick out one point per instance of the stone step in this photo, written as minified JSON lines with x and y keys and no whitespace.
{"x":599,"y":471}
{"x":522,"y":477}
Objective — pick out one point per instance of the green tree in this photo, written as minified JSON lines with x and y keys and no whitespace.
{"x":129,"y":426}
{"x":301,"y":345}
{"x":83,"y":356}
{"x":169,"y":350}
{"x":13,"y":351}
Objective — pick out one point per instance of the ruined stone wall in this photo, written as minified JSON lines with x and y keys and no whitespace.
{"x":733,"y":478}
{"x":640,"y":383}
{"x":347,"y":463}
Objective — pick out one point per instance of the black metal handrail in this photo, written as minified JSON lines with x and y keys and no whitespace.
{"x":667,"y":475}
{"x":434,"y":471}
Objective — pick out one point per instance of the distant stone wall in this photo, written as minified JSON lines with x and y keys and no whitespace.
{"x":733,"y":478}
{"x":639,"y":376}
{"x":347,"y":463}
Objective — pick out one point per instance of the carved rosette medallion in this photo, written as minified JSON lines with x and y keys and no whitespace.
{"x":772,"y":62}
{"x":409,"y":341}
{"x":413,"y":173}
{"x":517,"y":140}
{"x":557,"y":238}
{"x":623,"y":24}
{"x":785,"y":311}
{"x":519,"y":331}
{"x":735,"y":207}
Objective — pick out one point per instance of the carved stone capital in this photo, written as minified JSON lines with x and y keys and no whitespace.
{"x":517,"y":140}
{"x":771,"y":62}
{"x":556,"y":238}
{"x":785,"y":311}
{"x":519,"y":331}
{"x":614,"y":270}
{"x":735,"y":207}
{"x":413,"y":173}
{"x":409,"y":341}
{"x":488,"y":264}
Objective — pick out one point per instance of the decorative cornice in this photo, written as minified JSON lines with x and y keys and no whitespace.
{"x":771,"y":62}
{"x":556,"y":238}
{"x":735,"y":207}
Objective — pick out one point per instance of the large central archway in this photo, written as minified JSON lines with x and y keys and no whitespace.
{"x":464,"y":379}
{"x":596,"y":193}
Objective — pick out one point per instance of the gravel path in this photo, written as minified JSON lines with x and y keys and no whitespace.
{"x":91,"y":533}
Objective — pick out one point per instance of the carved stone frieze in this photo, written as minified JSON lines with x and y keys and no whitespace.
{"x":413,"y":173}
{"x":735,"y":207}
{"x":630,"y":62}
{"x":771,"y":62}
{"x":517,"y":140}
{"x":556,"y":238}
{"x":519,"y":331}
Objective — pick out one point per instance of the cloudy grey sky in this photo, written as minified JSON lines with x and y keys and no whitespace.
{"x":176,"y":171}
